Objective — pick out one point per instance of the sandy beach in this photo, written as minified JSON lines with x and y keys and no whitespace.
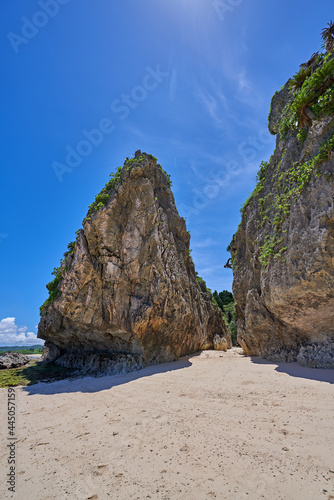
{"x":211,"y":425}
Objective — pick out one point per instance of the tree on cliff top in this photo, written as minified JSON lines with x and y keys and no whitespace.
{"x":327,"y":35}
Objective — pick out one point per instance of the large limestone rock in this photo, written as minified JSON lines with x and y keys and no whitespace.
{"x":283,"y":251}
{"x":12,"y":360}
{"x":129,"y":287}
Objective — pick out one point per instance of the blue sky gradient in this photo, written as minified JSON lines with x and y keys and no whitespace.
{"x":189,"y":81}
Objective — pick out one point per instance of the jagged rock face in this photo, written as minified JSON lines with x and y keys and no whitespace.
{"x":12,"y":360}
{"x":130,"y":286}
{"x":283,"y":256}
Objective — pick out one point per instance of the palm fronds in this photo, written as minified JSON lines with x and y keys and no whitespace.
{"x":323,"y":78}
{"x":327,"y":35}
{"x":299,"y":78}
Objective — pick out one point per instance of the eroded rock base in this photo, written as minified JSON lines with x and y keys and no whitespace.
{"x":101,"y":363}
{"x":319,"y":355}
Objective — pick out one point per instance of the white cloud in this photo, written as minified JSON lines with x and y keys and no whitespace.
{"x":210,"y":270}
{"x":11,"y":334}
{"x":214,"y":105}
{"x":220,"y":108}
{"x":208,"y":242}
{"x":244,"y":84}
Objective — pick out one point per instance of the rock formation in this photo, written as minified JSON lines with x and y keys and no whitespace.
{"x":283,"y":251}
{"x":12,"y":360}
{"x":126,"y":294}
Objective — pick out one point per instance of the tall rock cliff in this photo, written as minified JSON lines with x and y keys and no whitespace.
{"x":126,"y":293}
{"x":283,"y":251}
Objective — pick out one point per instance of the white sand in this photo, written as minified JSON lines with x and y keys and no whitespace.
{"x":214,"y":425}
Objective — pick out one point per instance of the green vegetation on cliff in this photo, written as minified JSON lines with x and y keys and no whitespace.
{"x":103,"y":197}
{"x":311,"y":98}
{"x":52,"y":287}
{"x":101,"y":200}
{"x":225,"y":301}
{"x":289,"y":185}
{"x":313,"y":94}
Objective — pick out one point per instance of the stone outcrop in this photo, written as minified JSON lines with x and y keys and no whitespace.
{"x":12,"y":360}
{"x":220,"y":343}
{"x":126,"y":294}
{"x":283,"y":251}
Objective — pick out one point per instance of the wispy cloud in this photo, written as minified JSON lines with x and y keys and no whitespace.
{"x":228,"y":81}
{"x":208,"y":242}
{"x":11,"y":334}
{"x":222,"y":110}
{"x":215,"y":275}
{"x":215,"y":105}
{"x":246,"y":92}
{"x":244,"y":84}
{"x":211,"y":270}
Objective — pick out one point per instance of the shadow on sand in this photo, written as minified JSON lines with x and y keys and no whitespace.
{"x":295,"y":370}
{"x":89,"y":384}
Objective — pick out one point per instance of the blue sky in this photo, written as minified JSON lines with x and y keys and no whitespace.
{"x":189,"y":81}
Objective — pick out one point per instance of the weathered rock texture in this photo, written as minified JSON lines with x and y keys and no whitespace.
{"x":129,"y":287}
{"x":283,"y":251}
{"x":12,"y":360}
